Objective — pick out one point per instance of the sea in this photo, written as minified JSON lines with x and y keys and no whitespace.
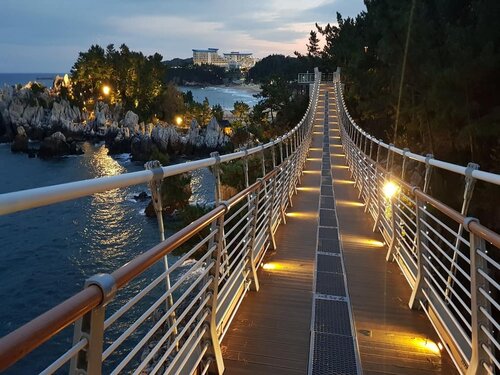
{"x":47,"y":253}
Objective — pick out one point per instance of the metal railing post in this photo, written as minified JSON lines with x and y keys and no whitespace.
{"x":478,"y":302}
{"x":389,"y":158}
{"x":417,"y":294}
{"x":281,"y":150}
{"x":211,"y":337}
{"x":378,"y":190}
{"x":251,"y":243}
{"x":273,"y":154}
{"x":470,"y":182}
{"x":216,"y":168}
{"x":271,"y":214}
{"x":403,"y":167}
{"x":155,"y":188}
{"x":392,"y":245}
{"x":91,"y":328}
{"x":263,"y":161}
{"x":245,"y":168}
{"x":428,"y":172}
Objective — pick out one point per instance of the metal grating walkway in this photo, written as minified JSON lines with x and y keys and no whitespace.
{"x":333,"y":343}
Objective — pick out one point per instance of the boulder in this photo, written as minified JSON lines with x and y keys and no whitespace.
{"x":131,"y":120}
{"x":142,"y":196}
{"x":55,"y":145}
{"x":141,"y":147}
{"x":166,"y":138}
{"x":76,"y":148}
{"x":102,"y":114}
{"x":16,"y":110}
{"x":118,"y":141}
{"x":214,"y":135}
{"x":20,"y":143}
{"x":193,"y":136}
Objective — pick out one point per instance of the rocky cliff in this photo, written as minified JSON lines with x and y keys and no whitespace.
{"x":31,"y":113}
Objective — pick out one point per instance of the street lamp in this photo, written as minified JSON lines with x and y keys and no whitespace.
{"x":106,"y":90}
{"x":390,"y":188}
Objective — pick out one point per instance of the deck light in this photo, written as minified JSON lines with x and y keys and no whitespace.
{"x":390,"y":188}
{"x":270,"y":266}
{"x":178,"y":120}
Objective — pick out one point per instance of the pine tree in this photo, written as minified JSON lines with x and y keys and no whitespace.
{"x":313,"y":46}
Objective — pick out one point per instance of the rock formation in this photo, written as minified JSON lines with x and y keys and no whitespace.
{"x":33,"y":112}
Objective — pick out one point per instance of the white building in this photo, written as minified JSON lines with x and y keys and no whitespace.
{"x":208,"y":56}
{"x":232,"y":60}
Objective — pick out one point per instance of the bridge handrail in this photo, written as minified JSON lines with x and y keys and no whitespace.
{"x":455,"y":168}
{"x":473,"y":226}
{"x":278,"y":184}
{"x":452,"y":269}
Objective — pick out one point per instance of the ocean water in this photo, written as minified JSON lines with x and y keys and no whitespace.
{"x":47,"y":253}
{"x":23,"y":78}
{"x":226,"y":96}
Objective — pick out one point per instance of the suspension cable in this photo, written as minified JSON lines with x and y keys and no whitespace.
{"x":403,"y":69}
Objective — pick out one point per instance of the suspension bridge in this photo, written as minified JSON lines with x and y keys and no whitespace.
{"x":331,"y":262}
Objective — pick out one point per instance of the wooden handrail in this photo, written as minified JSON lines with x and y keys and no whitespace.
{"x":28,"y":337}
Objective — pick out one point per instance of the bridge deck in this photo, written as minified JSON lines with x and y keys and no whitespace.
{"x":271,"y":332}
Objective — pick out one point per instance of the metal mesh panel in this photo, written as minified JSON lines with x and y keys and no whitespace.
{"x":332,"y":317}
{"x":328,"y":233}
{"x":326,"y":181}
{"x":333,"y":355}
{"x":327,"y":218}
{"x":327,"y":190}
{"x":330,"y":283}
{"x":329,"y":263}
{"x":328,"y":246}
{"x":326,"y":202}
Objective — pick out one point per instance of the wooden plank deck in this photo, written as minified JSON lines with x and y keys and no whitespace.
{"x":270,"y":333}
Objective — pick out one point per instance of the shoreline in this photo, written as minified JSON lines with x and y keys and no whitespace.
{"x":251,"y":87}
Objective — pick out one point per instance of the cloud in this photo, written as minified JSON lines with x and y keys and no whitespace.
{"x":38,"y":35}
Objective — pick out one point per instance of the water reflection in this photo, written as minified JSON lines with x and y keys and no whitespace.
{"x":110,"y":228}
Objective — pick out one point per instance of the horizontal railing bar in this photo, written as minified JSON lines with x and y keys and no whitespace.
{"x":133,"y":352}
{"x":136,"y":298}
{"x":43,"y":196}
{"x":70,"y":353}
{"x":152,"y":308}
{"x":459,"y":169}
{"x":456,"y":323}
{"x":472,"y":226}
{"x":171,"y":328}
{"x":26,"y":338}
{"x":138,"y":265}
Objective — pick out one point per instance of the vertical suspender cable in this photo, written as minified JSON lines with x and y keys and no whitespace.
{"x":403,"y":69}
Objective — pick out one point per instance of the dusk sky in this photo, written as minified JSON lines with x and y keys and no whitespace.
{"x":46,"y":36}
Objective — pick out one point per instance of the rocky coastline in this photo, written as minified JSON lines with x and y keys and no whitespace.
{"x":41,"y":122}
